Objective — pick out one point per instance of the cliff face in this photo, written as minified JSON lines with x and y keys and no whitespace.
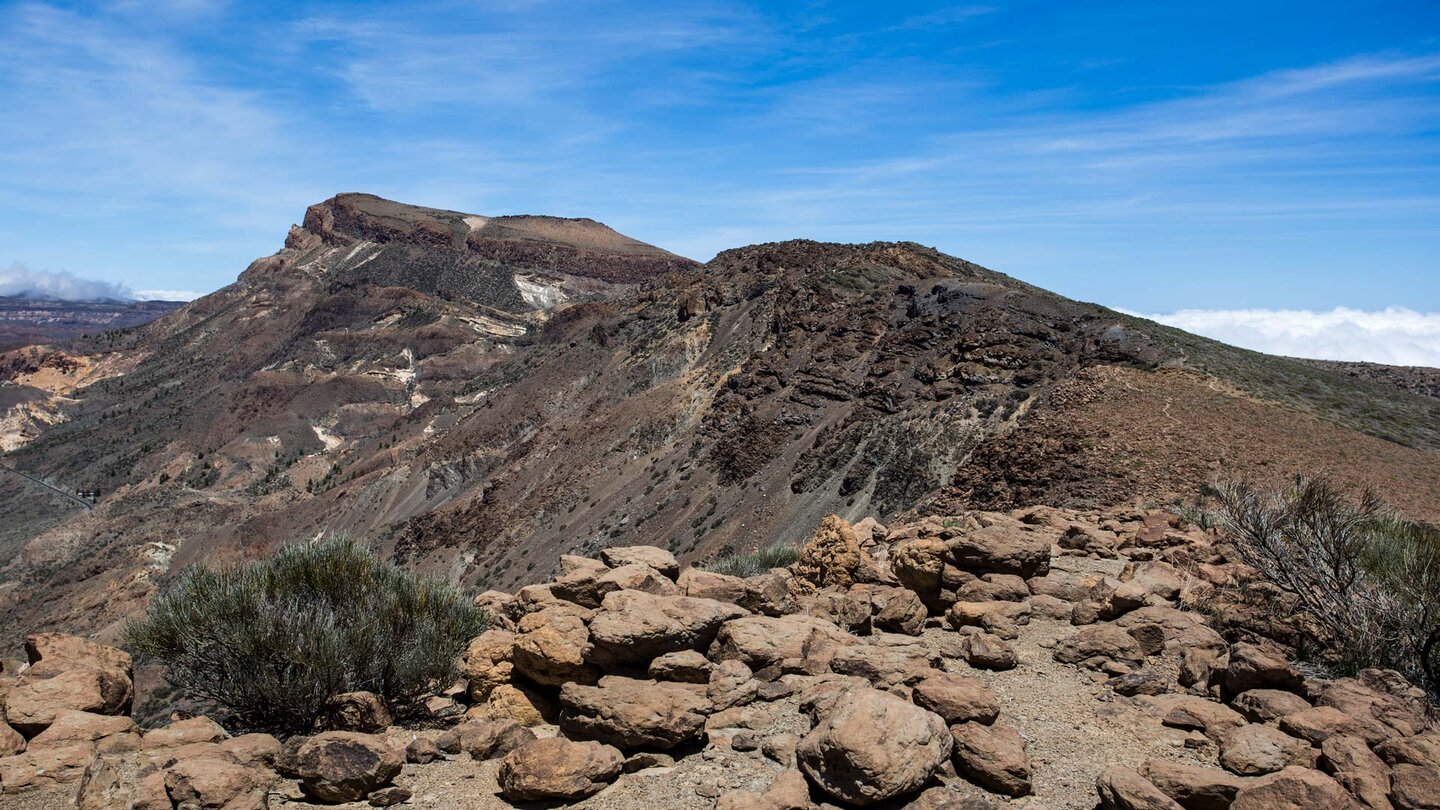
{"x":481,"y":395}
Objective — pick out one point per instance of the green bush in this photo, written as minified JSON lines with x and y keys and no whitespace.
{"x":1368,"y":582}
{"x":738,"y":564}
{"x":269,"y":641}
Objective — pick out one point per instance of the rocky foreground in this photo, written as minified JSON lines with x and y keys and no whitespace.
{"x":1036,"y":659}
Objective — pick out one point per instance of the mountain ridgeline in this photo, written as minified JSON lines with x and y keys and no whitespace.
{"x":479,"y":395}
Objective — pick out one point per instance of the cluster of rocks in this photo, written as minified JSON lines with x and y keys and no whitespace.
{"x":628,"y":663}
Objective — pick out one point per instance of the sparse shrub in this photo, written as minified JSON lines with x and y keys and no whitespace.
{"x":268,"y":641}
{"x":1368,"y":582}
{"x":738,"y":564}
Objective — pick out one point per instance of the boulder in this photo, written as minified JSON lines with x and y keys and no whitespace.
{"x":1192,"y":712}
{"x":1415,"y":787}
{"x":760,"y":641}
{"x":1154,"y":577}
{"x":252,"y":749}
{"x":731,"y":684}
{"x":1368,"y":704}
{"x":885,"y":665}
{"x":633,"y":627}
{"x":46,"y":768}
{"x":995,"y":544}
{"x":1099,"y":641}
{"x":994,"y":588}
{"x":703,"y":584}
{"x":871,"y":746}
{"x":789,"y":791}
{"x":685,"y":666}
{"x":956,"y":698}
{"x":217,"y":782}
{"x":988,"y":651}
{"x":847,"y":608}
{"x":1257,"y":666}
{"x":11,"y":741}
{"x":354,"y":711}
{"x":423,"y":751}
{"x":1182,"y":630}
{"x":484,"y":739}
{"x":630,"y":713}
{"x":109,"y":734}
{"x":636,"y":577}
{"x":1357,"y":769}
{"x":1422,"y":749}
{"x":1001,"y":618}
{"x":1266,"y":705}
{"x":553,"y":647}
{"x":183,"y":732}
{"x":833,"y":557}
{"x":1317,"y":723}
{"x":896,"y":610}
{"x":487,"y":663}
{"x":1255,"y":750}
{"x":346,"y":766}
{"x":920,"y":565}
{"x":1123,"y":788}
{"x":652,"y":556}
{"x":992,"y":757}
{"x":1294,"y":789}
{"x":557,"y":769}
{"x":522,"y":703}
{"x":1192,"y":786}
{"x":46,"y":690}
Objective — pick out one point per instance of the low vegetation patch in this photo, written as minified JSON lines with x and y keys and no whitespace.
{"x":269,"y":641}
{"x":1367,"y":580}
{"x":748,"y":564}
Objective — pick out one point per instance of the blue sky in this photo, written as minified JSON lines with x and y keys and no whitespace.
{"x":1151,"y":156}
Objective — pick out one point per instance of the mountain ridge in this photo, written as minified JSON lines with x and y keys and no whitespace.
{"x":477,"y":407}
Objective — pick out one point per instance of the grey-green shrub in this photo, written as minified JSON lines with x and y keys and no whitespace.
{"x":269,"y":641}
{"x":1368,"y":582}
{"x":738,"y":564}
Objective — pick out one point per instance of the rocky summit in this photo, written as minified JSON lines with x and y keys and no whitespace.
{"x":809,"y":525}
{"x":980,"y":661}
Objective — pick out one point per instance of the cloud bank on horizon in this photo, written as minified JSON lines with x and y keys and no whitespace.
{"x":1394,"y":336}
{"x":21,"y":281}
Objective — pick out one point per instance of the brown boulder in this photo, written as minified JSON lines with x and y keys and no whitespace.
{"x":484,"y":739}
{"x":998,"y":544}
{"x":1357,"y":769}
{"x":1122,"y":788}
{"x":1415,"y":787}
{"x":1422,"y":749}
{"x":630,"y":713}
{"x":833,"y":557}
{"x":39,"y":695}
{"x":634,"y":627}
{"x":702,"y":584}
{"x":789,"y":791}
{"x":760,"y":641}
{"x":354,"y":711}
{"x":1256,"y":666}
{"x":11,"y":741}
{"x":1367,"y":704}
{"x":988,"y":651}
{"x":655,"y":557}
{"x":46,"y":768}
{"x":957,"y":699}
{"x":487,"y":663}
{"x":1265,"y":705}
{"x":183,"y":732}
{"x":525,"y":704}
{"x":871,"y":746}
{"x":1001,"y":618}
{"x":346,"y":766}
{"x":1317,"y":723}
{"x":109,"y":734}
{"x":217,"y":782}
{"x":896,"y":610}
{"x":1100,"y":641}
{"x":636,"y":577}
{"x":1294,"y":789}
{"x":920,"y":565}
{"x":685,"y":666}
{"x":1194,"y":787}
{"x":552,"y":646}
{"x":1258,"y":749}
{"x":557,"y":769}
{"x":992,"y":757}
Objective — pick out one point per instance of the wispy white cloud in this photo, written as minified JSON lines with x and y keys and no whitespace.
{"x":167,"y":295}
{"x":19,"y":280}
{"x":1396,"y":335}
